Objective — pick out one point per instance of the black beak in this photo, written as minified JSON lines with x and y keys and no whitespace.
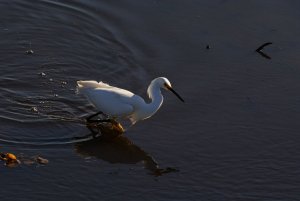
{"x":174,"y":92}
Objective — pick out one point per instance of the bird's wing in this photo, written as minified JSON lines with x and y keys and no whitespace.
{"x":82,"y":86}
{"x":111,"y":100}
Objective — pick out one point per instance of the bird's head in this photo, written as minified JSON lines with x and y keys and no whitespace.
{"x":165,"y":83}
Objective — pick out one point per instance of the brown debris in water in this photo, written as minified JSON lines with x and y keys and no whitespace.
{"x":12,"y":161}
{"x":41,"y":160}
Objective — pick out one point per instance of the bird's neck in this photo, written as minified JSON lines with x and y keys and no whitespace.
{"x":156,"y":99}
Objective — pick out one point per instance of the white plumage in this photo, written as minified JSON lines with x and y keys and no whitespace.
{"x":120,"y":103}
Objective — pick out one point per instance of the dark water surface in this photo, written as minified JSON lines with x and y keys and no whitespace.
{"x":236,"y":137}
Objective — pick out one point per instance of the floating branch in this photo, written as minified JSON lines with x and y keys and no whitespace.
{"x":262,"y":46}
{"x":264,"y":55}
{"x":259,"y":50}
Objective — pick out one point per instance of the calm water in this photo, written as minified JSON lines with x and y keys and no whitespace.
{"x":236,"y":137}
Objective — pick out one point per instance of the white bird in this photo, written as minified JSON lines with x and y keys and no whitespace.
{"x":120,"y":103}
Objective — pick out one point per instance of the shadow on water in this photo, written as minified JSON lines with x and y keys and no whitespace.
{"x":109,"y":145}
{"x":119,"y":149}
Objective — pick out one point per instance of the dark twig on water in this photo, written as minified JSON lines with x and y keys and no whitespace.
{"x":264,"y":55}
{"x":262,"y":46}
{"x":259,"y":50}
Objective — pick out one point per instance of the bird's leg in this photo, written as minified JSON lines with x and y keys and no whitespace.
{"x":97,"y":122}
{"x":94,"y":133}
{"x":116,"y":125}
{"x":96,"y":114}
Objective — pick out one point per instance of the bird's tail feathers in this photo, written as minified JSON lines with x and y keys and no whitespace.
{"x":90,"y":84}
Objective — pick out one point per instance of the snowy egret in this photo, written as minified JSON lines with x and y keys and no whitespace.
{"x":120,"y":103}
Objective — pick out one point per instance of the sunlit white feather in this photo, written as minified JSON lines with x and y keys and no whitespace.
{"x":120,"y":103}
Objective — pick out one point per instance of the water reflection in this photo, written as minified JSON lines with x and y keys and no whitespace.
{"x":119,"y":150}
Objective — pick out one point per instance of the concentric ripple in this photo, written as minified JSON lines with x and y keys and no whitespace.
{"x":38,"y":91}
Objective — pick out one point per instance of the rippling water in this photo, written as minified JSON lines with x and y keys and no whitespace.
{"x":235,"y":138}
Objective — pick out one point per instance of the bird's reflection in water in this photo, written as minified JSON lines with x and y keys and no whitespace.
{"x":119,"y":149}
